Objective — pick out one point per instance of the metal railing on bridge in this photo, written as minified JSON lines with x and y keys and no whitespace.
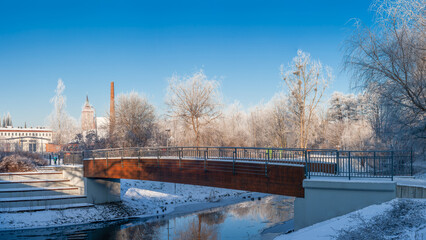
{"x":317,"y":162}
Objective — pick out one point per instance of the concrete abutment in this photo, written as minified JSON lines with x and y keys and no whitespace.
{"x":98,"y":191}
{"x":105,"y":190}
{"x":326,"y":199}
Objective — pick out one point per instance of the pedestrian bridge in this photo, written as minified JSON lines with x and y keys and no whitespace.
{"x":266,"y":170}
{"x":314,"y":177}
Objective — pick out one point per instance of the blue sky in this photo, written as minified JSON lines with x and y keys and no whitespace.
{"x":139,"y":45}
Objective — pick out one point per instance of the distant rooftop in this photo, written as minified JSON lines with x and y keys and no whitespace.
{"x":25,"y":129}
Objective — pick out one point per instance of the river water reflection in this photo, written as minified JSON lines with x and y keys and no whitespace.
{"x":258,"y":219}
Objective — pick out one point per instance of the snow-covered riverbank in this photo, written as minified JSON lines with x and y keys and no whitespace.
{"x":139,"y":198}
{"x":396,"y":219}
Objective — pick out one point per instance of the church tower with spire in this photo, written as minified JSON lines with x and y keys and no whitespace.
{"x":88,"y":117}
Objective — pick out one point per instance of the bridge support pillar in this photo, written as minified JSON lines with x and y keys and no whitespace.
{"x":326,"y":199}
{"x":104,"y":190}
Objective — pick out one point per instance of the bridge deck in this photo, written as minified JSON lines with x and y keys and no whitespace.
{"x":282,"y":178}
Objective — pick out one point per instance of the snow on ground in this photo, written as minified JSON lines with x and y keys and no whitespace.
{"x":415,"y":181}
{"x":421,"y":176}
{"x":139,"y":198}
{"x":396,"y":219}
{"x":411,"y":181}
{"x":158,"y":197}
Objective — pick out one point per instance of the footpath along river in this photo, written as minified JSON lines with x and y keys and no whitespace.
{"x":255,"y":219}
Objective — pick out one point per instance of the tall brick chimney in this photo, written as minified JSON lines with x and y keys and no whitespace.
{"x":112,"y":110}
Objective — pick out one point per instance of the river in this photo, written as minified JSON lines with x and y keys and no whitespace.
{"x":255,"y":219}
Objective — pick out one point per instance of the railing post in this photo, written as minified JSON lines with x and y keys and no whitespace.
{"x":205,"y":161}
{"x":374,"y":163}
{"x":349,"y":165}
{"x":158,"y":157}
{"x":411,"y":162}
{"x":139,"y":156}
{"x":266,"y":163}
{"x":180,"y":152}
{"x":122,"y":153}
{"x":337,"y":162}
{"x":234,"y":155}
{"x":392,"y":166}
{"x":198,"y":153}
{"x":106,"y":159}
{"x":307,"y":165}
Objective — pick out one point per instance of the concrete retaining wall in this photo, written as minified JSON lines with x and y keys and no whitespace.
{"x":325,"y":199}
{"x":97,"y":190}
{"x":403,"y":191}
{"x":74,"y":174}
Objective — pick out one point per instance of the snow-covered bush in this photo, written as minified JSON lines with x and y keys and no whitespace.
{"x":400,"y":222}
{"x":22,"y":162}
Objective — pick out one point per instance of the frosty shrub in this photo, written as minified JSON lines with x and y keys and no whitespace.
{"x":399,"y":222}
{"x":22,"y":162}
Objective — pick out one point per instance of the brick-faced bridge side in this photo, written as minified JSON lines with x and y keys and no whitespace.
{"x":275,"y":179}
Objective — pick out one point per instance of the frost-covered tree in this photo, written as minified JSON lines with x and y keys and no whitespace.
{"x":63,"y":125}
{"x":347,"y":122}
{"x":269,"y":124}
{"x":134,"y":122}
{"x":7,"y":121}
{"x":306,"y":81}
{"x":357,"y":136}
{"x":233,"y":126}
{"x":388,"y":59}
{"x":257,"y":126}
{"x":194,"y":100}
{"x":230,"y":129}
{"x":344,"y":107}
{"x":280,"y":122}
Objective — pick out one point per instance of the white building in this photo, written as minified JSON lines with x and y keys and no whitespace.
{"x":102,"y":127}
{"x":25,"y":139}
